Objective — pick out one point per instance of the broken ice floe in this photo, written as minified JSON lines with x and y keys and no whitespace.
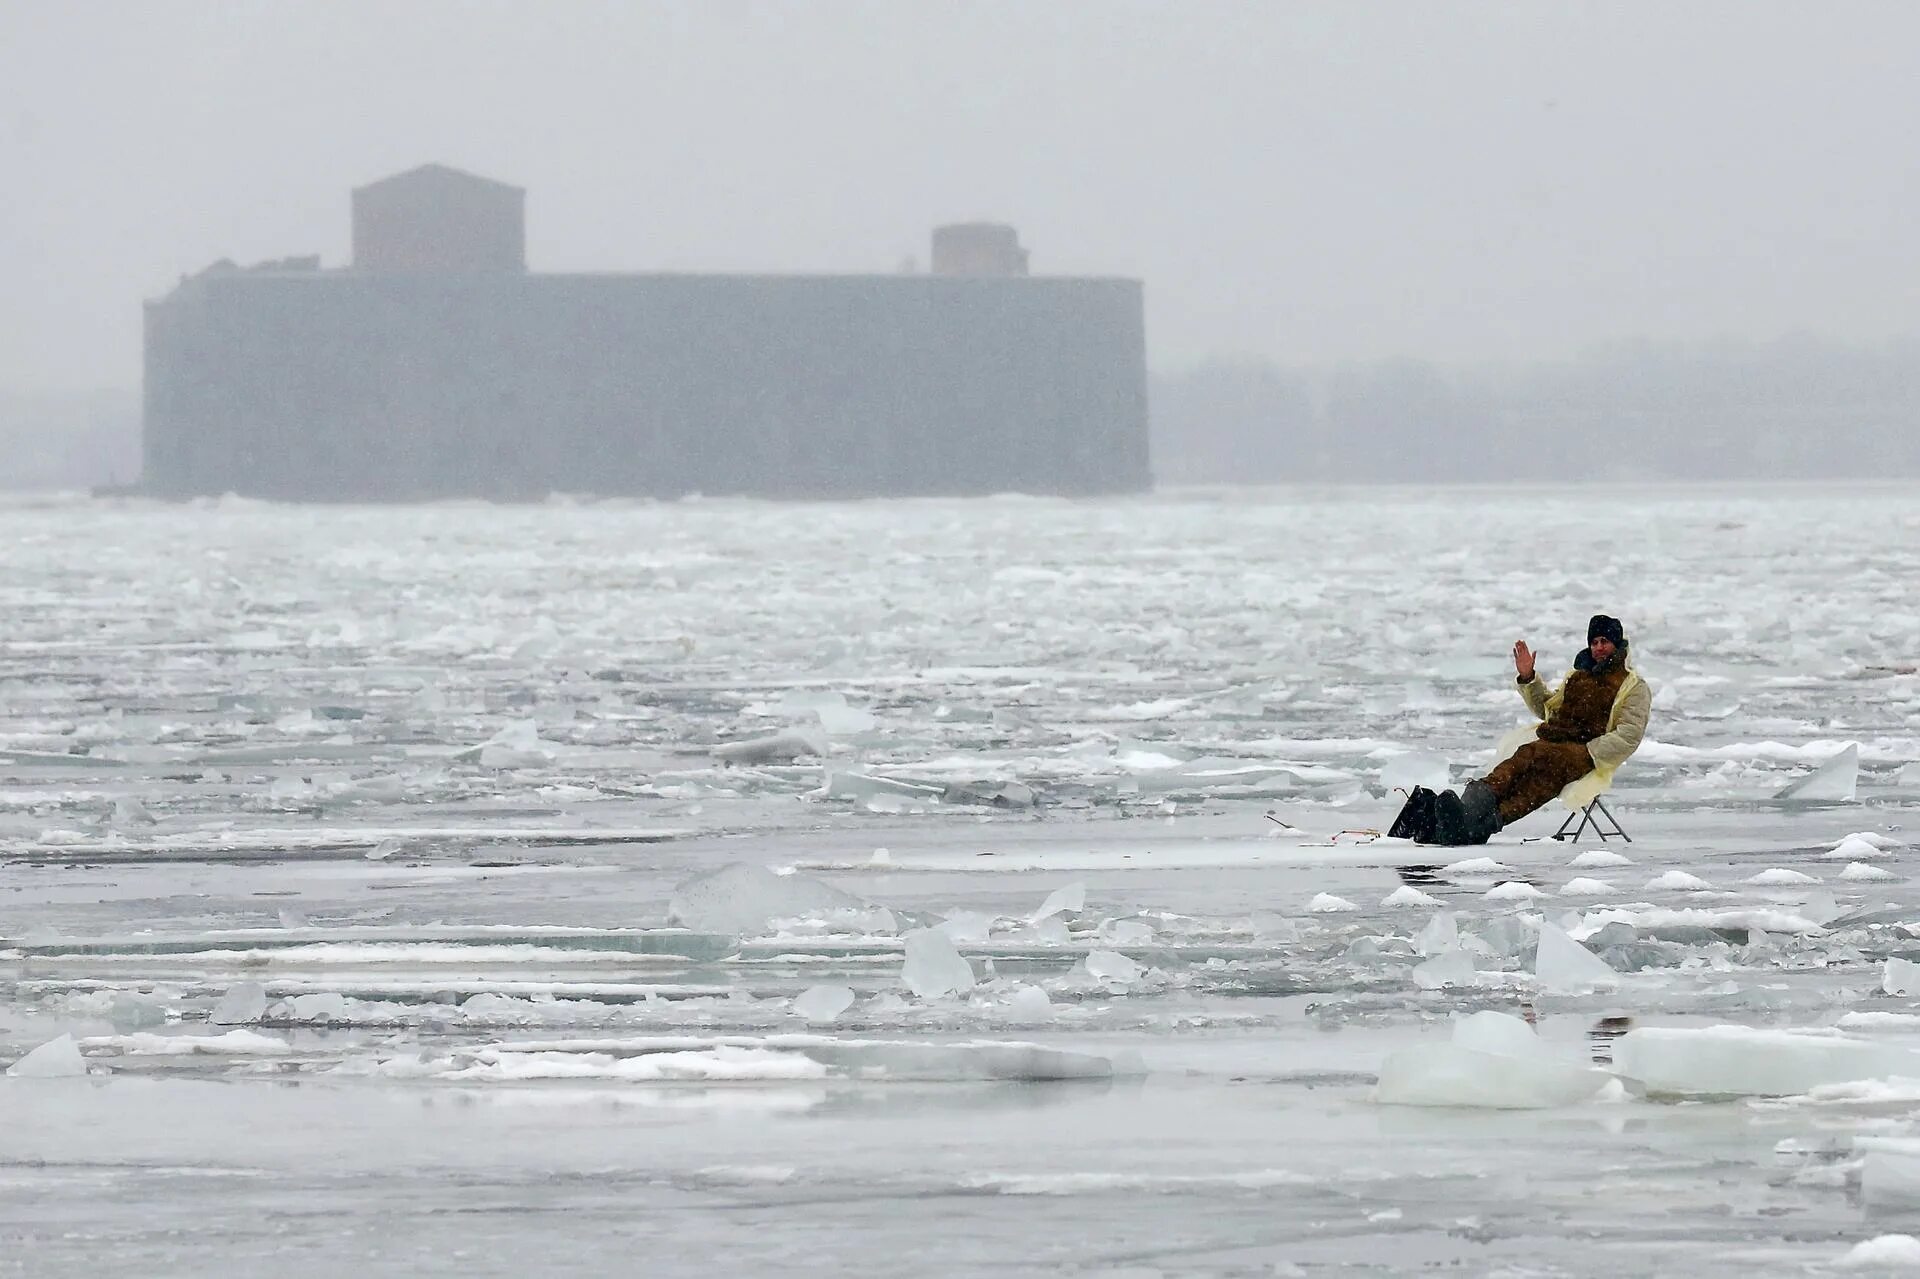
{"x":1583,"y":887}
{"x":1449,"y":968}
{"x":244,"y":1004}
{"x":518,"y":745}
{"x":58,"y":1058}
{"x":774,"y":748}
{"x":1835,"y":781}
{"x":1688,"y":922}
{"x":745,"y":899}
{"x":741,"y":1059}
{"x":1900,"y":976}
{"x":1069,"y":900}
{"x":1439,"y":935}
{"x":233,"y":1043}
{"x":1113,"y":968}
{"x":1889,"y":1171}
{"x":822,"y":1003}
{"x":1492,"y":1060}
{"x":1562,"y":964}
{"x":1741,"y":1061}
{"x":933,"y":969}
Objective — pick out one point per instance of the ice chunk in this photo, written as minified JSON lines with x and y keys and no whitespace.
{"x":1821,"y":907}
{"x":383,"y":850}
{"x":1408,"y":895}
{"x":822,"y":1003}
{"x":743,"y":899}
{"x":1476,"y":866}
{"x":1889,"y":1170}
{"x":1126,"y":932}
{"x":58,"y":1058}
{"x":288,"y":789}
{"x":1051,"y":932}
{"x":1515,"y":890}
{"x":244,"y":1004}
{"x":1677,"y":881}
{"x":1584,"y":887}
{"x":1507,"y":935}
{"x":1441,"y":934}
{"x":1328,"y":904}
{"x":130,"y":814}
{"x":773,"y":748}
{"x":1862,"y":845}
{"x":518,"y":745}
{"x":1029,"y":1003}
{"x":966,"y":925}
{"x":991,"y":794}
{"x":845,"y":720}
{"x":1862,"y":871}
{"x":1494,"y":1061}
{"x":933,"y":968}
{"x":130,"y":1011}
{"x":883,"y":794}
{"x":1883,"y":1252}
{"x":1738,"y":1061}
{"x":1900,"y":977}
{"x":323,"y":1008}
{"x":1415,"y":768}
{"x":1112,"y":967}
{"x":1595,"y":859}
{"x":1779,"y":876}
{"x":1834,"y":782}
{"x":1560,"y":963}
{"x":1070,"y":900}
{"x":1449,"y":968}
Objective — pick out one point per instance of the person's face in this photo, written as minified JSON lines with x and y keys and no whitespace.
{"x":1601,"y":647}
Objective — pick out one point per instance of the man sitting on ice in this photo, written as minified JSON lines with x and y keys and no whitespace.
{"x":1593,"y":721}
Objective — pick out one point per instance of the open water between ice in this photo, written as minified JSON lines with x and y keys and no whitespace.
{"x":950,"y":888}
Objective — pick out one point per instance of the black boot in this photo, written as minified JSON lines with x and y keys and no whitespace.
{"x":1415,"y":821}
{"x":1449,"y":820}
{"x":1482,"y":812}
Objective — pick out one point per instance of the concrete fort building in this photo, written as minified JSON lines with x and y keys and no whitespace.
{"x":437,"y":365}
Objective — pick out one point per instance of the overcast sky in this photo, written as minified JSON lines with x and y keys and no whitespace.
{"x":1462,"y":182}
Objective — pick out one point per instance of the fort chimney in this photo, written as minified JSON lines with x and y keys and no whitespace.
{"x":978,"y":248}
{"x":436,"y":219}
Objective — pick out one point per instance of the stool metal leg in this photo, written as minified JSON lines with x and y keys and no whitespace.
{"x":1587,"y":818}
{"x":1618,"y":829}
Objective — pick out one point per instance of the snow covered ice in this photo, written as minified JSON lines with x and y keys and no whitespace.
{"x":463,"y":874}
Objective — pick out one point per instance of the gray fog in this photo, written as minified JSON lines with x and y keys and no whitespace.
{"x":1303,"y":183}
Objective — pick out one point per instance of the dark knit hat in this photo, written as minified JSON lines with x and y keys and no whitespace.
{"x":1600,"y":624}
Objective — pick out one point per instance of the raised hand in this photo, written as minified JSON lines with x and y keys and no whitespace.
{"x":1522,"y":660}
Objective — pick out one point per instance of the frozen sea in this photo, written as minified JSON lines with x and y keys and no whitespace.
{"x":950,"y":888}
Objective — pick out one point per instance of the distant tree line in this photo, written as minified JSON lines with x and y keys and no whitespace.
{"x":1793,"y":409}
